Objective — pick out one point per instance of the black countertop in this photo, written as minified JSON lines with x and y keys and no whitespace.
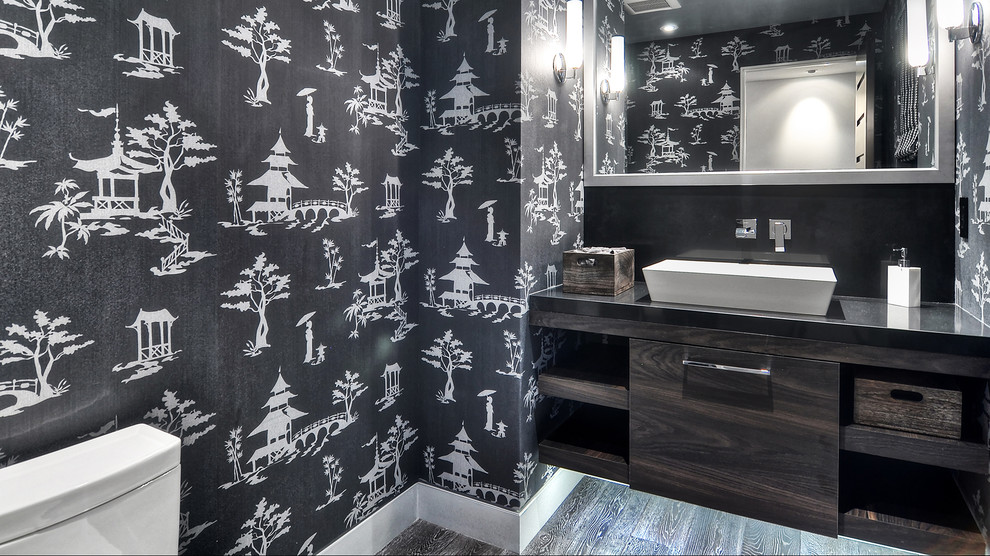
{"x":933,"y":327}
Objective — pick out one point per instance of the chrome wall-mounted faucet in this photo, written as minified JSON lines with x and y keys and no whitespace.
{"x":745,"y":228}
{"x":780,"y":230}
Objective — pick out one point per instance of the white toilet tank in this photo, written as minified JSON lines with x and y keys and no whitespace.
{"x":115,"y":494}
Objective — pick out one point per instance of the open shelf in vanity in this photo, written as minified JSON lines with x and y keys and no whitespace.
{"x":887,"y":486}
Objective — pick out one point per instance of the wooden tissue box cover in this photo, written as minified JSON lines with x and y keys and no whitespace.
{"x":599,"y":270}
{"x":922,"y":407}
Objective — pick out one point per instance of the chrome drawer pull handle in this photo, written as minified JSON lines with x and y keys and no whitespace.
{"x":716,"y":366}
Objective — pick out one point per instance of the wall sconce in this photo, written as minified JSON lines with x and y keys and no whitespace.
{"x":566,"y":64}
{"x":950,"y":16}
{"x":917,"y":33}
{"x":616,"y":82}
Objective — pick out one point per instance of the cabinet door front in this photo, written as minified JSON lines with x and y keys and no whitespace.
{"x":745,"y":433}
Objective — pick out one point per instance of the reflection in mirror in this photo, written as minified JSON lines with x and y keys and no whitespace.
{"x":686,"y":112}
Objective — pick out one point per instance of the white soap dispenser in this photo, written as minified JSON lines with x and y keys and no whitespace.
{"x":904,"y":282}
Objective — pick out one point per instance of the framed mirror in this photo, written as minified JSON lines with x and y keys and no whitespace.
{"x":686,"y":116}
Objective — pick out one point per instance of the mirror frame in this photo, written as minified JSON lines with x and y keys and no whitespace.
{"x":943,"y":172}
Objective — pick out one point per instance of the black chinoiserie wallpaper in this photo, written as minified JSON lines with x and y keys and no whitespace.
{"x":299,"y":235}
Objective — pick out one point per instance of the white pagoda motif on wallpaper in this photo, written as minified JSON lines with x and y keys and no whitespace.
{"x":277,"y":425}
{"x":154,"y":344}
{"x":281,"y":443}
{"x":117,"y":175}
{"x":463,"y":279}
{"x":156,"y":38}
{"x":462,"y":295}
{"x":461,"y":476}
{"x":464,"y":109}
{"x":278,"y":182}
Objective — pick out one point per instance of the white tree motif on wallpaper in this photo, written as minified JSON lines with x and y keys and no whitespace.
{"x":177,"y":417}
{"x":514,"y":170}
{"x":447,"y":173}
{"x":262,"y":286}
{"x":43,"y":347}
{"x":360,"y":106}
{"x":980,"y":55}
{"x":447,"y":355}
{"x":36,"y":42}
{"x":737,"y":48}
{"x":347,"y":182}
{"x":154,"y":344}
{"x":392,"y":17}
{"x":608,"y":165}
{"x":68,"y":212}
{"x":156,"y":56}
{"x":526,"y":89}
{"x":360,"y":312}
{"x":819,"y":46}
{"x":387,"y":455}
{"x":576,"y":101}
{"x":429,"y":461}
{"x":731,"y":137}
{"x":186,"y":532}
{"x":233,"y":187}
{"x":262,"y":44}
{"x":335,"y":49}
{"x":448,"y":30}
{"x":513,"y":365}
{"x":345,"y":392}
{"x":262,"y":529}
{"x":12,"y":128}
{"x":234,"y":448}
{"x":334,"y":473}
{"x":981,"y":286}
{"x":168,"y":143}
{"x":531,"y":397}
{"x":331,"y":252}
{"x":400,"y":438}
{"x":522,"y":473}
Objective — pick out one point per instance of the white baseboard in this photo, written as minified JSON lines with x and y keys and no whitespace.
{"x":501,"y":527}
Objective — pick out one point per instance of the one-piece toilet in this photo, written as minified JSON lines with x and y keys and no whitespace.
{"x":115,"y":494}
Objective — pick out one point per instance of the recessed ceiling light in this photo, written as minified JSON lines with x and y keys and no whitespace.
{"x":669,"y":28}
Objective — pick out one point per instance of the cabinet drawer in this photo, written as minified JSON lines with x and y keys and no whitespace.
{"x":749,"y":434}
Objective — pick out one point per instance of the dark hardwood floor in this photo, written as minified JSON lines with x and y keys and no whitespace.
{"x":600,"y":517}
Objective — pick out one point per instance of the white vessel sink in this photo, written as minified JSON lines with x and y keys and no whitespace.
{"x":754,"y":286}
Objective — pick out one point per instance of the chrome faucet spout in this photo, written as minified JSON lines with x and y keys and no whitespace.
{"x":779,"y":231}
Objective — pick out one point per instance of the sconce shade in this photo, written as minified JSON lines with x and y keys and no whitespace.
{"x":950,"y":13}
{"x":617,"y":64}
{"x":917,"y":33}
{"x":573,"y":49}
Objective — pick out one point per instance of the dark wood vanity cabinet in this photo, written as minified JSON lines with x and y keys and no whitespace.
{"x":754,"y":416}
{"x":750,"y":434}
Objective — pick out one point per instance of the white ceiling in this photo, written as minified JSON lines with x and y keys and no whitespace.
{"x":701,"y":17}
